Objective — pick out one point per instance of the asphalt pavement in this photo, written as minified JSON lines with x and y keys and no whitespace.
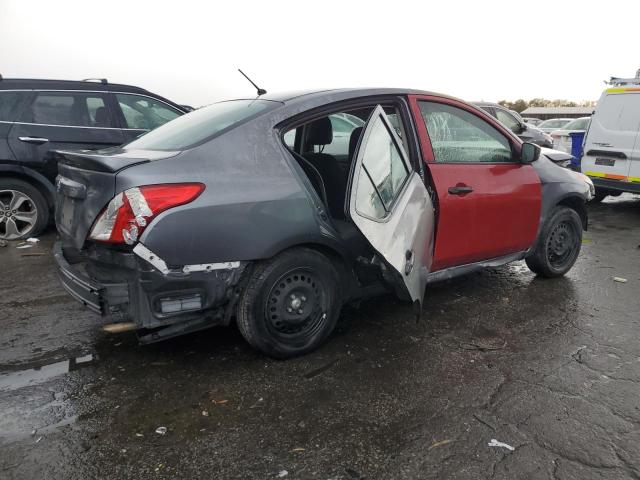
{"x":506,"y":376}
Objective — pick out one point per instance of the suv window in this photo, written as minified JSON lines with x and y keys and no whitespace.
{"x":459,"y":136}
{"x":195,"y":127}
{"x":508,"y":120}
{"x":10,"y":105}
{"x":145,"y":113}
{"x":383,"y":173}
{"x":69,"y":109}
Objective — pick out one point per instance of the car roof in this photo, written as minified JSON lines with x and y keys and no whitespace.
{"x":296,"y":96}
{"x":35,"y":84}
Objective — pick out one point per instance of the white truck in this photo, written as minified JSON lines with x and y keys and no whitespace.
{"x":612,"y":143}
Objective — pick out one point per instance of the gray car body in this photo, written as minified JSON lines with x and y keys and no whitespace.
{"x":257,"y":203}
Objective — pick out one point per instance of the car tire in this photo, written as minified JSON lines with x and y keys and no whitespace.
{"x":31,"y":215}
{"x":290,"y":304}
{"x":559,"y":244}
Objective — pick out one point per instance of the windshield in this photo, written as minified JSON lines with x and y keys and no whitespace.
{"x":553,"y":123}
{"x":190,"y":129}
{"x":578,"y":124}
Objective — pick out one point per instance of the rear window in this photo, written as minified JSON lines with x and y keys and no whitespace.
{"x":10,"y":105}
{"x":579,"y":124}
{"x":189,"y":130}
{"x":553,"y":123}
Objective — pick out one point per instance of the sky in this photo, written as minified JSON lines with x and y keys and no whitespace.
{"x":189,"y":51}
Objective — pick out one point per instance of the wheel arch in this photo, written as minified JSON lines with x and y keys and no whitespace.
{"x":338,"y":257}
{"x":34,"y":178}
{"x":576,"y":203}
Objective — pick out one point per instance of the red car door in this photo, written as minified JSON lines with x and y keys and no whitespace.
{"x":488,"y":202}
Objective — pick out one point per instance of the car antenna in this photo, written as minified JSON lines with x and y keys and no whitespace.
{"x":261,"y":91}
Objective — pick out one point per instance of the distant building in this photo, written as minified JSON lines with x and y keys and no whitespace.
{"x":545,"y":113}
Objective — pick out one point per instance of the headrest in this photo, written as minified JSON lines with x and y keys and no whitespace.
{"x":353,"y":141}
{"x":320,"y":132}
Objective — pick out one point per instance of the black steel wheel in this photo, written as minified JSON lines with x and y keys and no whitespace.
{"x":559,"y":244}
{"x":291,"y":303}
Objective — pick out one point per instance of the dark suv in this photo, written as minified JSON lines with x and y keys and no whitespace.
{"x":40,"y":116}
{"x":514,"y":122}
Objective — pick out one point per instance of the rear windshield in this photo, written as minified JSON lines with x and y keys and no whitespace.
{"x":553,"y":123}
{"x":191,"y":129}
{"x":578,"y":124}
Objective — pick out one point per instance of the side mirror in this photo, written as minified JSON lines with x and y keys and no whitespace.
{"x":523,"y":127}
{"x":529,"y":153}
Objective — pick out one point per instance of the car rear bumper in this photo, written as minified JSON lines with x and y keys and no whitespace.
{"x":98,"y":297}
{"x":125,"y":287}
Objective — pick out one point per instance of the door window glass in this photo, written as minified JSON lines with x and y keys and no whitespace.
{"x":458,"y":136}
{"x":69,"y":109}
{"x":383,"y":172}
{"x":508,"y":120}
{"x":145,"y":113}
{"x":10,"y":105}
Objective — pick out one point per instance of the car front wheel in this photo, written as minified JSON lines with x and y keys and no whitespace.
{"x":290,"y":304}
{"x":23,"y":210}
{"x":559,"y":244}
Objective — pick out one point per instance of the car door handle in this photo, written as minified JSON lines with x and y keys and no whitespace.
{"x":36,"y":140}
{"x":460,"y":190}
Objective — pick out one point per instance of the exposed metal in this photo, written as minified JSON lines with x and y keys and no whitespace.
{"x":208,"y":267}
{"x":146,"y":254}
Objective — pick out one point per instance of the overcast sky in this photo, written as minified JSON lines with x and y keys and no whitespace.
{"x":189,"y":51}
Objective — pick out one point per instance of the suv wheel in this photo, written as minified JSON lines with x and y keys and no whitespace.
{"x":23,"y":210}
{"x":291,"y":303}
{"x":559,"y":244}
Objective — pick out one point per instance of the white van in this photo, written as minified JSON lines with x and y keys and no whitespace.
{"x":612,"y":143}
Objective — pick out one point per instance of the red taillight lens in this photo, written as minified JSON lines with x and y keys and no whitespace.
{"x":126,"y":216}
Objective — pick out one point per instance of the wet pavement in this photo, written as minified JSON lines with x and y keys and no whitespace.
{"x":551,"y":368}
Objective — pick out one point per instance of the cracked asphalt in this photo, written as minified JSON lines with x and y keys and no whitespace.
{"x":551,"y":368}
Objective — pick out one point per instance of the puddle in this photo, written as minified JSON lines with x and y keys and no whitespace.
{"x":34,"y":376}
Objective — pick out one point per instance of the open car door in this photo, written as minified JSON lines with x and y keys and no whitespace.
{"x":391,"y":206}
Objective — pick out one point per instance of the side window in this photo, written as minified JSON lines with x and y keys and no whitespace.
{"x":145,"y":113}
{"x":69,"y":109}
{"x":458,"y":136}
{"x":10,"y":103}
{"x":290,"y":138}
{"x":507,"y":120}
{"x":342,"y":124}
{"x":383,"y":172}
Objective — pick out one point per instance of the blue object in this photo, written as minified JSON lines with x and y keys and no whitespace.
{"x":577,"y":138}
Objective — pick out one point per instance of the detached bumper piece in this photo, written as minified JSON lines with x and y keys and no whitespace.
{"x":91,"y":294}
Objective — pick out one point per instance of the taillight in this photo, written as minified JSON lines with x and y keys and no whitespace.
{"x":126,"y":216}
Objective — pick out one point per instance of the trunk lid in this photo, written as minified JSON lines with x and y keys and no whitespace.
{"x":86,"y":183}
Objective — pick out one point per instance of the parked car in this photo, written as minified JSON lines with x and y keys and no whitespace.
{"x":612,"y":143}
{"x":552,"y":124}
{"x":514,"y":122}
{"x":562,"y":137}
{"x":39,"y":116}
{"x":220,"y":214}
{"x":532,"y":121}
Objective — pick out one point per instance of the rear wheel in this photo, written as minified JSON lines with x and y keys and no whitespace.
{"x":559,"y":244}
{"x":291,"y":303}
{"x":23,"y":210}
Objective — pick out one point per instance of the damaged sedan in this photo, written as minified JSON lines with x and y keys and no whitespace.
{"x":276,"y":211}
